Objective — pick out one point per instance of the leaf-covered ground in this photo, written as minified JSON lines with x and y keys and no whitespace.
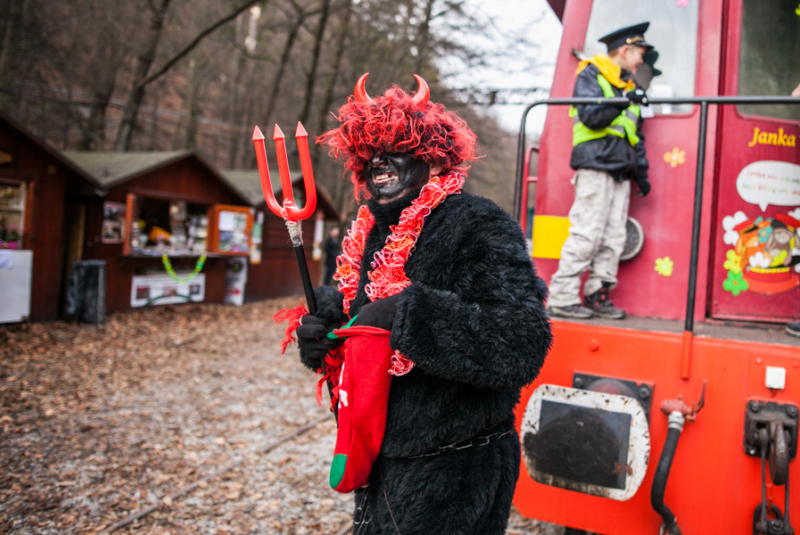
{"x":97,"y":422}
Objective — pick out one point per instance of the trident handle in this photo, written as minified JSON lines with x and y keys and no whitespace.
{"x":288,"y":210}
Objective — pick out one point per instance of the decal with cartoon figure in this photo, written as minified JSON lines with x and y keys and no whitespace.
{"x":766,"y":254}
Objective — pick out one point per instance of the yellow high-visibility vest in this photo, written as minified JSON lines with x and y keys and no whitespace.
{"x":624,"y":125}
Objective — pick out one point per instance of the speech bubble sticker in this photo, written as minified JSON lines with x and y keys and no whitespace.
{"x":770,"y":182}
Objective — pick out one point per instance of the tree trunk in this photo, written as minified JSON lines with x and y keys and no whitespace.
{"x":94,"y":134}
{"x":311,"y":77}
{"x":186,"y":133}
{"x":153,"y":144}
{"x":287,"y":50}
{"x":424,"y":37}
{"x":143,"y":63}
{"x":235,"y":112}
{"x":337,"y":62}
{"x":10,"y":38}
{"x":276,"y":85}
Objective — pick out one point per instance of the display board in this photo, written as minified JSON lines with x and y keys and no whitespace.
{"x":161,"y":289}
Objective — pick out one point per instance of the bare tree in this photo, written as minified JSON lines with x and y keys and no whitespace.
{"x":311,"y":76}
{"x":143,"y":62}
{"x":334,"y":73}
{"x":10,"y":37}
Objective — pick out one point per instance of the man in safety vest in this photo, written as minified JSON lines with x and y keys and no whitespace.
{"x":607,"y":153}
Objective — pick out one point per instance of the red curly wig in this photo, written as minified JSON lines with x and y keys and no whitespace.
{"x":394,"y":122}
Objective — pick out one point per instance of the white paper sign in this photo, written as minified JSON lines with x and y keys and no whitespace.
{"x":227,"y":221}
{"x":770,"y":182}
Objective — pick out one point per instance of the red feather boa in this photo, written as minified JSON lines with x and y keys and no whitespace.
{"x":387,"y":277}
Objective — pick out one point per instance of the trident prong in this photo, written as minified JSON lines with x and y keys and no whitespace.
{"x":289,"y":210}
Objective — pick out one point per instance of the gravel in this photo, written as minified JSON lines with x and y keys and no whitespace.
{"x":97,"y":422}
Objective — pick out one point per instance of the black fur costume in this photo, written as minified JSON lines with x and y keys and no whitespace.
{"x":474,"y":324}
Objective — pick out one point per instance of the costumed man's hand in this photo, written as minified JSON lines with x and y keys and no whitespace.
{"x":638,"y":96}
{"x":379,"y":313}
{"x":312,"y":339}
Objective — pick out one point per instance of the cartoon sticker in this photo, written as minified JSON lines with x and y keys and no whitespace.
{"x":766,"y":254}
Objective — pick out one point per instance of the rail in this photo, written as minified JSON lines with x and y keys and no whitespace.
{"x":703,"y":102}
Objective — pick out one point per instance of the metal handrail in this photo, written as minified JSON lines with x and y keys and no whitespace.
{"x":699,"y":178}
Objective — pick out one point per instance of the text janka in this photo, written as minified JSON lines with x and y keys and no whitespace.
{"x":772,"y":138}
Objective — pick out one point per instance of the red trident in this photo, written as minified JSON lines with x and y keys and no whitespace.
{"x":289,"y":210}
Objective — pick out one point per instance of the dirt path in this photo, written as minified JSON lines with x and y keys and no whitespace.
{"x":97,"y":422}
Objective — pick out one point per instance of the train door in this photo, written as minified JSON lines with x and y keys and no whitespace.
{"x":755,"y":271}
{"x":687,"y":35}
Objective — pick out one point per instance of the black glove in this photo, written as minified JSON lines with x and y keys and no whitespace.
{"x":644,"y":186}
{"x":637,"y":96}
{"x":313,"y":341}
{"x":379,"y":313}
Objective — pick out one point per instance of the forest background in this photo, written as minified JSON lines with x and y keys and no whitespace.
{"x":160,"y":75}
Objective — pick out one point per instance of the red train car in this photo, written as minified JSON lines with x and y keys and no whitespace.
{"x":614,"y":440}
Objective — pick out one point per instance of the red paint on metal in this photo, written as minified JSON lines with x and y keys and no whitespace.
{"x":686,"y":354}
{"x":710,"y":454}
{"x":665,"y":214}
{"x":528,"y":180}
{"x":770,"y":297}
{"x":288,"y":210}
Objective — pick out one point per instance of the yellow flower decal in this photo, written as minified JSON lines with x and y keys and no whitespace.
{"x":664,"y":266}
{"x":734,"y":262}
{"x":797,"y":11}
{"x":676,"y":157}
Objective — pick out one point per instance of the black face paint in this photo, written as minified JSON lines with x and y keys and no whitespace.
{"x":391,"y":175}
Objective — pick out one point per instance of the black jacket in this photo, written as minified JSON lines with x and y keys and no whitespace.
{"x":472,"y":321}
{"x":611,"y":153}
{"x":331,"y":251}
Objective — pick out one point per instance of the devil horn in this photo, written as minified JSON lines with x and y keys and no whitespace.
{"x":360,"y":92}
{"x":423,"y":93}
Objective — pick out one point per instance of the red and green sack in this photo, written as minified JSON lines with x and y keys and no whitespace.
{"x":359,"y":373}
{"x":361,"y":394}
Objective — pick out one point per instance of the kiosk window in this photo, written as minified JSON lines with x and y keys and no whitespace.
{"x":673,"y":31}
{"x":176,"y":228}
{"x":12,"y":215}
{"x":769,"y":58}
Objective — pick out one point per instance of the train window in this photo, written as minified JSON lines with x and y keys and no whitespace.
{"x":673,"y":30}
{"x":769,"y":61}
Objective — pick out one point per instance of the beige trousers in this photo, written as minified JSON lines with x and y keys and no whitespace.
{"x":596,"y":236}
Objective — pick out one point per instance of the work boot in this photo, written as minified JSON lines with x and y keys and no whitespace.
{"x":577,"y":312}
{"x":793,"y":329}
{"x":599,"y":303}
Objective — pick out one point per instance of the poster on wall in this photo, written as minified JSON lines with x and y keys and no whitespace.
{"x":256,"y":238}
{"x":161,"y":289}
{"x":232,"y":235}
{"x":113,"y":222}
{"x":235,"y":280}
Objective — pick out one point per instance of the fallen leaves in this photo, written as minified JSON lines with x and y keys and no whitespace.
{"x":99,"y":421}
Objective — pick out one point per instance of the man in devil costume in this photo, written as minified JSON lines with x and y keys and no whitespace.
{"x":466,"y":318}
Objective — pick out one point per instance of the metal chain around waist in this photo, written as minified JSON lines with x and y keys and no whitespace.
{"x":464,"y":444}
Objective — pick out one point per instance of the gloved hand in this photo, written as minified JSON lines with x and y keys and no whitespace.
{"x":313,"y":341}
{"x":379,"y":313}
{"x":644,"y":186}
{"x":637,"y":96}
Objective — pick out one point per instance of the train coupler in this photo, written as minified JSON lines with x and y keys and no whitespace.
{"x":771,"y":434}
